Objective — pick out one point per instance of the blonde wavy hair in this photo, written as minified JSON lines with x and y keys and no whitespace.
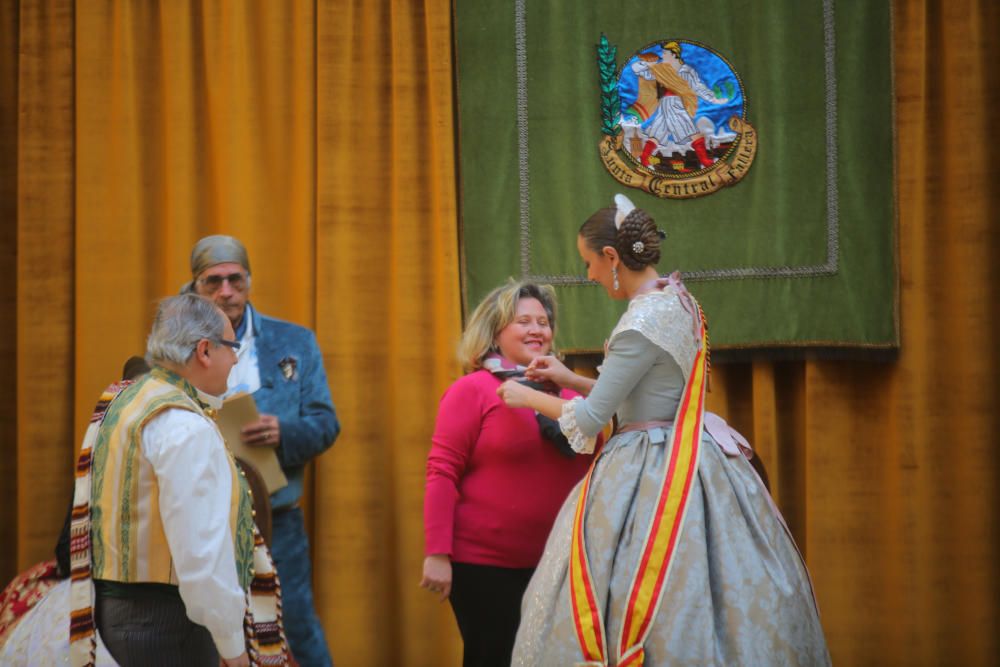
{"x":494,"y":313}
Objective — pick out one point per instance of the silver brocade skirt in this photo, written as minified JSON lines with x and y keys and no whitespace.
{"x":738,"y":592}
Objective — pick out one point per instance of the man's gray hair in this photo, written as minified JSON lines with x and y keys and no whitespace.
{"x":182,"y":321}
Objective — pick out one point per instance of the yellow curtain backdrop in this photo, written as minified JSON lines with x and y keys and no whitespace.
{"x":322,"y":134}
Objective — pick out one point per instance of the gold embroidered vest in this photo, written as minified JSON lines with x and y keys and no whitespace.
{"x":128,"y":541}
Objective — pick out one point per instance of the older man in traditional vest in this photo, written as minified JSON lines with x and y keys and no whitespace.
{"x":281,"y":365}
{"x":171,"y":518}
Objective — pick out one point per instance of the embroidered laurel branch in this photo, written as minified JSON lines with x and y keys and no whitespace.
{"x":610,"y":104}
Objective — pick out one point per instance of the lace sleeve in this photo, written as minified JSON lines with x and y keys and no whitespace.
{"x":580,"y":443}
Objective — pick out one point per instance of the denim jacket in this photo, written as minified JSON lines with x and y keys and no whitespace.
{"x":293,"y":387}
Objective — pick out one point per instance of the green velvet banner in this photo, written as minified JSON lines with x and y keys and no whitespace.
{"x":770,"y":165}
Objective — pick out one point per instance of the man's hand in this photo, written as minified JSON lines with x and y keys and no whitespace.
{"x":242,"y":660}
{"x":265,"y":432}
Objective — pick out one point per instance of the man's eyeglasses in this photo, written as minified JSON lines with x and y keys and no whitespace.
{"x":234,"y":344}
{"x":238,"y":281}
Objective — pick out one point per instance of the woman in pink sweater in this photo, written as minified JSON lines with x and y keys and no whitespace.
{"x":496,"y":476}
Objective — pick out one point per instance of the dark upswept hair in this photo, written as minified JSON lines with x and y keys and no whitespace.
{"x":599,"y":231}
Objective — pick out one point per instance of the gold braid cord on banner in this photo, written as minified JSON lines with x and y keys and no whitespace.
{"x":724,"y":172}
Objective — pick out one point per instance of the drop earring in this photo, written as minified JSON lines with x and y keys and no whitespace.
{"x":614,"y":274}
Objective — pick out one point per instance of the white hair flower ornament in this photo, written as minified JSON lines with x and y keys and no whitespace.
{"x":624,"y":206}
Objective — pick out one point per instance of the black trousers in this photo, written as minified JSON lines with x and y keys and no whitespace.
{"x":487,"y":605}
{"x":148,"y":626}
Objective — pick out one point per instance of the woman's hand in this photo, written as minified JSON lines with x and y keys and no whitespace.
{"x":437,"y":575}
{"x":549,"y":369}
{"x":515,"y":394}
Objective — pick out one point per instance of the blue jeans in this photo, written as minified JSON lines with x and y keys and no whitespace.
{"x":290,"y":550}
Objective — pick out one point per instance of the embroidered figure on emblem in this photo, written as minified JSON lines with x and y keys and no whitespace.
{"x":667,"y":119}
{"x":673,"y":119}
{"x":289,"y":368}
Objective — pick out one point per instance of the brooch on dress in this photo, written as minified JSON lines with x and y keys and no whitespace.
{"x":289,"y":368}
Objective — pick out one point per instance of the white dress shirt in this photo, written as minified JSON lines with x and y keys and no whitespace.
{"x":195,"y":480}
{"x":245,"y":375}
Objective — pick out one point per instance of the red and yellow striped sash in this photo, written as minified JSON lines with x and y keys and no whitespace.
{"x":586,"y":614}
{"x":661,"y":539}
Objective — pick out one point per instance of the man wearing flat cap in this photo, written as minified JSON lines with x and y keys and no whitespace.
{"x":281,"y":365}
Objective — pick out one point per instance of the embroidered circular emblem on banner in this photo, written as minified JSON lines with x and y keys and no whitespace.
{"x":673,"y":119}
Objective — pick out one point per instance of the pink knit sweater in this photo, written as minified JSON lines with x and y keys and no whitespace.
{"x":494,"y":485}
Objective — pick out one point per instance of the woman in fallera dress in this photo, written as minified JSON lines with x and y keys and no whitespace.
{"x":670,"y":551}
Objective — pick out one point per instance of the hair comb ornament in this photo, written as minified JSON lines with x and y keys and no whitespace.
{"x":624,"y":206}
